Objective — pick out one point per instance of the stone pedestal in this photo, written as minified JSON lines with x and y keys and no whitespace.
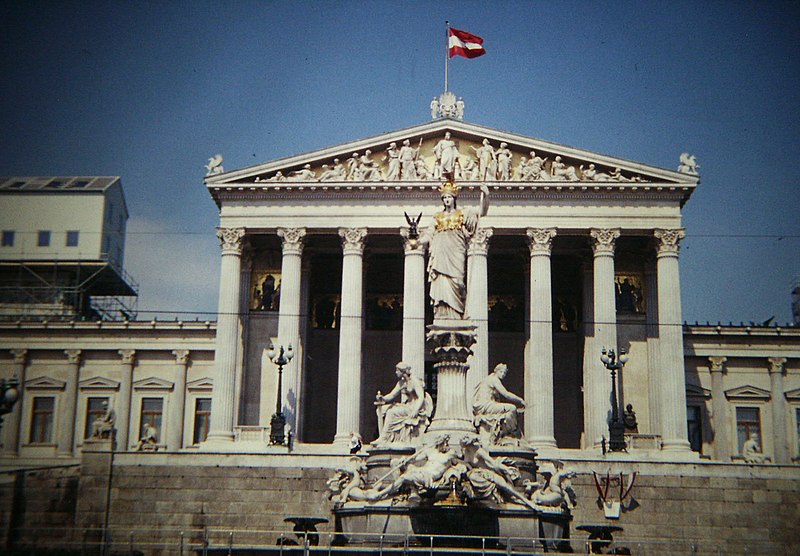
{"x":450,"y":343}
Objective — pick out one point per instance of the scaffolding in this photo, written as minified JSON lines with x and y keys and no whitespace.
{"x":66,"y":290}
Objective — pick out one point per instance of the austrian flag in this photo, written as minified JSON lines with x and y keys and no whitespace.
{"x":465,"y":44}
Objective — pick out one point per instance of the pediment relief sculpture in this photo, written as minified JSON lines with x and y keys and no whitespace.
{"x":433,"y":158}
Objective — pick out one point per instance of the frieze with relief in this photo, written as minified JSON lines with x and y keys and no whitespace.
{"x":432,"y":156}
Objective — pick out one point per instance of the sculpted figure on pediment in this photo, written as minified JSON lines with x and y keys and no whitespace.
{"x":487,"y":161}
{"x":446,"y":153}
{"x":423,"y":171}
{"x":460,"y":108}
{"x":469,"y":171}
{"x":616,"y":175}
{"x":434,"y":108}
{"x":368,"y":168}
{"x":339,"y":170}
{"x":328,"y":173}
{"x":393,"y":156}
{"x":521,"y":169}
{"x":503,"y":162}
{"x":591,"y":174}
{"x":278,"y":177}
{"x":560,"y":171}
{"x":534,"y":170}
{"x":408,"y":157}
{"x":354,"y":168}
{"x":304,"y":174}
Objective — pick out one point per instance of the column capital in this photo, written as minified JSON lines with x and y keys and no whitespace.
{"x":73,"y":356}
{"x":604,"y":241}
{"x":181,"y":356}
{"x":540,"y":240}
{"x":128,"y":356}
{"x":353,"y":240}
{"x":292,"y":239}
{"x":20,"y":355}
{"x":669,"y":241}
{"x":776,"y":364}
{"x":717,"y":363}
{"x":479,"y":242}
{"x":411,"y":247}
{"x":231,"y":240}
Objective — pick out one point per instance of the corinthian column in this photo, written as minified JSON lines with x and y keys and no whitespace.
{"x":222,"y":398}
{"x":539,"y":424}
{"x":66,"y":425}
{"x":719,"y":405}
{"x":414,"y":304}
{"x":123,"y":410}
{"x":12,"y":420}
{"x":477,"y":306}
{"x":178,"y":405}
{"x":781,"y":447}
{"x":596,"y":381}
{"x":288,"y":328}
{"x":671,"y":373}
{"x":348,"y":407}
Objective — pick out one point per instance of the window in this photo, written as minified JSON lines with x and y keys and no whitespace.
{"x":695,"y":424}
{"x":8,"y":238}
{"x":94,"y":411}
{"x":72,"y":238}
{"x":797,"y":425}
{"x":748,"y":421}
{"x":152,"y":409}
{"x":202,"y":419}
{"x":44,"y":238}
{"x":42,"y":420}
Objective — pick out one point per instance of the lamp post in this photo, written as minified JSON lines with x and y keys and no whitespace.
{"x":616,"y":428}
{"x":9,"y":394}
{"x":278,"y":421}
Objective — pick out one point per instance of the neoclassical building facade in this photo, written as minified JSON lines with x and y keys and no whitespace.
{"x":578,"y":252}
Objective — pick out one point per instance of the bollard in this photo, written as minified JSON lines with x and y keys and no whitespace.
{"x":181,"y":545}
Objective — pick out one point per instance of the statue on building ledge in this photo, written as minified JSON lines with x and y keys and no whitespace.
{"x":103,"y":426}
{"x":495,"y":409}
{"x":404,"y":413}
{"x":751,"y":451}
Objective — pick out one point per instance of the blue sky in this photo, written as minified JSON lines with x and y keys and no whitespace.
{"x":149,"y":90}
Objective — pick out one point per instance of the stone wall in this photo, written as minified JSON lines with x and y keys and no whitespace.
{"x":37,"y":507}
{"x":707,"y":508}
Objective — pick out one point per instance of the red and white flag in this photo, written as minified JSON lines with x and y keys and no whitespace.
{"x":465,"y":44}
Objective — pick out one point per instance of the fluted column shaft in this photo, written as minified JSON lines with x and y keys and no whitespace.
{"x":596,"y":380}
{"x":414,"y":305}
{"x":781,"y":447}
{"x":348,"y":408}
{"x":539,"y":423}
{"x":66,"y":426}
{"x":123,"y":409}
{"x":719,"y":406}
{"x":225,"y":357}
{"x":477,"y":306}
{"x":12,"y":421}
{"x":178,"y":405}
{"x":288,"y":327}
{"x":670,"y":332}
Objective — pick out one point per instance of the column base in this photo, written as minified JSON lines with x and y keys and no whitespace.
{"x":542,"y":443}
{"x":675,"y":445}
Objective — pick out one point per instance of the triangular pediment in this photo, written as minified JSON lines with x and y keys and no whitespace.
{"x":695,"y":391}
{"x":530,"y":161}
{"x":204,"y":384}
{"x":153,"y":383}
{"x":793,"y":395}
{"x":747,"y":392}
{"x":44,"y":383}
{"x":99,"y":383}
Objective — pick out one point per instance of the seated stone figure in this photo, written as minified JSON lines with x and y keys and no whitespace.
{"x":555,"y":489}
{"x":751,"y":451}
{"x":103,"y":426}
{"x":495,"y":409}
{"x":148,"y":441}
{"x":489,"y":478}
{"x":404,"y":413}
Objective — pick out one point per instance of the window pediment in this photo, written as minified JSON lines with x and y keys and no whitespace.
{"x":44,"y":383}
{"x":747,"y":392}
{"x":98,"y":383}
{"x":153,"y":383}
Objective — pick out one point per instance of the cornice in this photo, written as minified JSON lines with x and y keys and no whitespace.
{"x":551,"y":191}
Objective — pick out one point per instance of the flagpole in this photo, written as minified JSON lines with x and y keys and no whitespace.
{"x":446,"y":52}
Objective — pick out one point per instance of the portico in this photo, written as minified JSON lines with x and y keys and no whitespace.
{"x":558,"y":270}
